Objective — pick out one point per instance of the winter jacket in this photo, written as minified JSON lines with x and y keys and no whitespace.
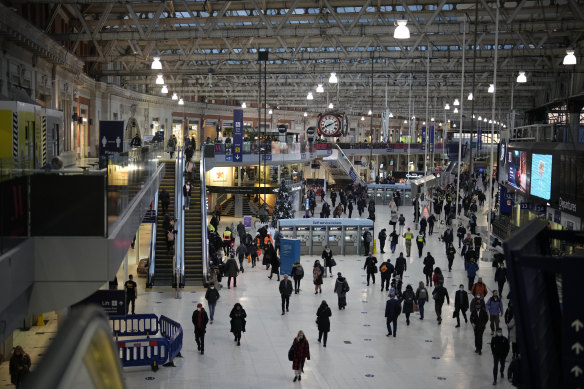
{"x":327,"y":257}
{"x":317,"y":272}
{"x":286,"y":287}
{"x":479,"y":318}
{"x":370,"y":263}
{"x":238,"y":320}
{"x":439,"y":294}
{"x":204,"y":319}
{"x":322,"y":318}
{"x":212,"y":295}
{"x":231,"y":268}
{"x":341,"y":286}
{"x":495,"y":307}
{"x":461,"y":300}
{"x":300,"y":354}
{"x":401,"y":264}
{"x":471,"y":269}
{"x":429,"y":264}
{"x":392,"y":309}
{"x":479,"y":288}
{"x":408,"y":298}
{"x":501,"y":274}
{"x":389,"y":269}
{"x":295,"y":272}
{"x":422,"y":294}
{"x":500,"y":346}
{"x":402,"y":221}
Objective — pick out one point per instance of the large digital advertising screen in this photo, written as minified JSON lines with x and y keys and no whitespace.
{"x":541,"y":175}
{"x":517,"y":170}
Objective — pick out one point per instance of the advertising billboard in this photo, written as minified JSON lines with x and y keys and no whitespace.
{"x":517,"y":171}
{"x":541,"y":175}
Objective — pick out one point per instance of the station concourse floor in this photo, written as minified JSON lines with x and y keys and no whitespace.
{"x":358,"y":354}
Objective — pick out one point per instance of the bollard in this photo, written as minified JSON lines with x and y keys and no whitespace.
{"x":40,"y":320}
{"x":154,"y":366}
{"x":374,"y":246}
{"x":147,"y":335}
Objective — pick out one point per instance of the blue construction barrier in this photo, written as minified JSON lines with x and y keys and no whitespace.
{"x":134,"y":325}
{"x":150,"y":351}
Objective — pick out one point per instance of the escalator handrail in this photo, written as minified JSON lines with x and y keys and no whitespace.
{"x":64,"y":357}
{"x":153,"y":228}
{"x":180,"y":253}
{"x":345,"y":158}
{"x":205,"y":248}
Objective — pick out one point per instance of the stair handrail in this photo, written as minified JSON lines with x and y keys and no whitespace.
{"x":204,"y":238}
{"x":153,"y":228}
{"x":179,"y":224}
{"x":344,"y":161}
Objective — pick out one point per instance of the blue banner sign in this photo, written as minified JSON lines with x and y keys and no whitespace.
{"x":431,"y":141}
{"x":238,"y":135}
{"x":423,"y":138}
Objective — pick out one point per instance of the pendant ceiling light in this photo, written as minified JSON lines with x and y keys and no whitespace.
{"x":333,"y":78}
{"x":456,"y":102}
{"x":305,"y":114}
{"x":521,"y":78}
{"x":447,"y":106}
{"x":431,"y":119}
{"x":331,"y":106}
{"x":570,"y":58}
{"x":490,"y":122}
{"x":164,"y":90}
{"x":491,"y":88}
{"x":362,"y":117}
{"x":319,"y":88}
{"x":485,"y":120}
{"x":270,"y":111}
{"x":243,"y":105}
{"x":390,"y":115}
{"x":309,"y":96}
{"x":156,"y":64}
{"x":470,"y":96}
{"x":401,"y":31}
{"x":455,"y":110}
{"x":174,"y":96}
{"x":181,"y":101}
{"x":369,"y":113}
{"x":405,"y":122}
{"x":159,"y":80}
{"x":480,"y":118}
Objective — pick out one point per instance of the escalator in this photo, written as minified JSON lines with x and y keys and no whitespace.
{"x":163,"y":273}
{"x":193,"y":243}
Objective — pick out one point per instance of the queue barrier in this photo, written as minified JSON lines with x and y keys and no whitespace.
{"x":134,"y":325}
{"x":150,"y":351}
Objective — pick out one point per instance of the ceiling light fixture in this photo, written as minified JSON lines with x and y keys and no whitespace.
{"x":390,"y":115}
{"x":319,"y":88}
{"x":470,"y":96}
{"x":401,"y":30}
{"x":181,"y":101}
{"x":270,"y":111}
{"x":305,"y":114}
{"x":491,"y":88}
{"x":309,"y":96}
{"x":480,"y":118}
{"x":570,"y":58}
{"x":369,"y":113}
{"x":455,"y":110}
{"x":243,"y":105}
{"x":521,"y":78}
{"x":423,"y":123}
{"x":490,"y":122}
{"x":164,"y":90}
{"x":456,"y":102}
{"x":362,"y":117}
{"x":447,"y":106}
{"x":174,"y":96}
{"x":333,"y":78}
{"x":485,"y":120}
{"x":331,"y":106}
{"x":405,"y":122}
{"x":156,"y":64}
{"x":159,"y":80}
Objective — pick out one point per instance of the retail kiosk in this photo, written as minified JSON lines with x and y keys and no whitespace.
{"x":343,"y":235}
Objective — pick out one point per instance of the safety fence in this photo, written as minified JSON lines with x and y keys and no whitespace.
{"x":150,"y":351}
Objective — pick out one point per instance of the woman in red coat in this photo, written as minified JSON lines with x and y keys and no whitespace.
{"x":300,"y":352}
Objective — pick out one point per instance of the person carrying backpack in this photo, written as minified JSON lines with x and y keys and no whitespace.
{"x":341,"y":289}
{"x":386,"y":269}
{"x":421,"y":298}
{"x":408,"y":298}
{"x":297,"y":274}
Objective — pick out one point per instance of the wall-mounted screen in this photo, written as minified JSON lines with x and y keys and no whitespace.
{"x":517,"y":170}
{"x":541,"y":175}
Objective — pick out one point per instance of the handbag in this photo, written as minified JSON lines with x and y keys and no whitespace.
{"x":291,"y":353}
{"x":416,"y":308}
{"x":333,"y":262}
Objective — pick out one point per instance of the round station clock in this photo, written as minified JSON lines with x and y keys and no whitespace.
{"x":330,"y":124}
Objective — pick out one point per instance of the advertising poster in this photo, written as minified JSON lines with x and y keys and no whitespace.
{"x":289,"y":253}
{"x":423,"y":138}
{"x":479,"y":140}
{"x":517,"y":170}
{"x":238,"y":135}
{"x":541,"y":175}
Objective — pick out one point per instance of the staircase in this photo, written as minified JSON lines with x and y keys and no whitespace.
{"x":340,"y":168}
{"x":248,"y":207}
{"x":163,"y":260}
{"x":193,"y":244}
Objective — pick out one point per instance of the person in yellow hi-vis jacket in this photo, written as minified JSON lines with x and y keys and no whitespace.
{"x":408,"y":237}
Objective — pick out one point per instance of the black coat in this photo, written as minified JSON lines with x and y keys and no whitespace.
{"x":501,"y":274}
{"x":461,"y":300}
{"x":204,"y":319}
{"x":401,"y":264}
{"x":429,"y":264}
{"x":440,"y":293}
{"x":322,"y":318}
{"x":408,"y":297}
{"x":479,"y":319}
{"x":370,"y":264}
{"x":500,"y":346}
{"x":212,"y":295}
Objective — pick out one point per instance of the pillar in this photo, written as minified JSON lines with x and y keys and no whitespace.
{"x":137,"y":246}
{"x":238,"y":212}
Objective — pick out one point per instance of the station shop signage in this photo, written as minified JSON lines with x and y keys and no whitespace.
{"x":242,"y":190}
{"x":567,"y":205}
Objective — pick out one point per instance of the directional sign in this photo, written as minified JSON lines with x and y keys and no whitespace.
{"x":352,"y":174}
{"x":577,"y":325}
{"x":266,"y":157}
{"x":573,"y":324}
{"x":228,"y":157}
{"x":237,"y":134}
{"x":423,"y":138}
{"x":577,"y":371}
{"x":577,"y":348}
{"x":431,"y":140}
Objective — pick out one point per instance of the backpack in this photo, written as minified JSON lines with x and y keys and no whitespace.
{"x":383,"y":268}
{"x":346,"y":287}
{"x":299,"y":271}
{"x":423,"y":294}
{"x":440,"y":279}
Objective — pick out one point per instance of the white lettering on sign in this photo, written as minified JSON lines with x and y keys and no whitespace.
{"x":567,"y":205}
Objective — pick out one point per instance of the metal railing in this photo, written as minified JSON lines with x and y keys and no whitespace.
{"x":180,"y":248}
{"x":179,"y":217}
{"x":204,"y":237}
{"x":152,"y":259}
{"x":348,"y":165}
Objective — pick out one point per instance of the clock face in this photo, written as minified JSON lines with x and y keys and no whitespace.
{"x":329,"y":125}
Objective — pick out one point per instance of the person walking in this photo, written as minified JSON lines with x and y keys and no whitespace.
{"x":350,"y":208}
{"x":420,"y":242}
{"x":341,"y":289}
{"x":479,"y":318}
{"x":495,"y":309}
{"x":323,"y":313}
{"x":212,"y":295}
{"x":408,"y":297}
{"x":238,"y":316}
{"x":386,"y":269}
{"x":431,"y":221}
{"x":382,"y":236}
{"x":131,"y":294}
{"x":439,"y":294}
{"x":241,"y":252}
{"x":401,"y":220}
{"x":392,"y":312}
{"x":317,"y":272}
{"x":429,"y":268}
{"x":394,"y":240}
{"x":408,"y":236}
{"x":479,"y":288}
{"x":275,"y":265}
{"x":297,"y":274}
{"x":500,"y":349}
{"x":460,"y":232}
{"x":471,"y":272}
{"x":172,"y":145}
{"x":460,"y":304}
{"x":371,"y":266}
{"x":422,"y":297}
{"x":298,"y":354}
{"x":285,"y":292}
{"x":501,"y":277}
{"x":327,"y":260}
{"x":401,"y":265}
{"x":200,"y":320}
{"x":231,"y":271}
{"x":366,"y":241}
{"x":511,"y":334}
{"x":19,"y":366}
{"x":450,"y":252}
{"x":164,"y":200}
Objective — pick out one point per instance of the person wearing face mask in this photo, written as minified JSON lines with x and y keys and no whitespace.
{"x":460,"y":304}
{"x":479,"y":288}
{"x":298,"y":354}
{"x":212,"y":295}
{"x":500,"y":349}
{"x":200,"y":320}
{"x":495,"y":309}
{"x":479,"y":318}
